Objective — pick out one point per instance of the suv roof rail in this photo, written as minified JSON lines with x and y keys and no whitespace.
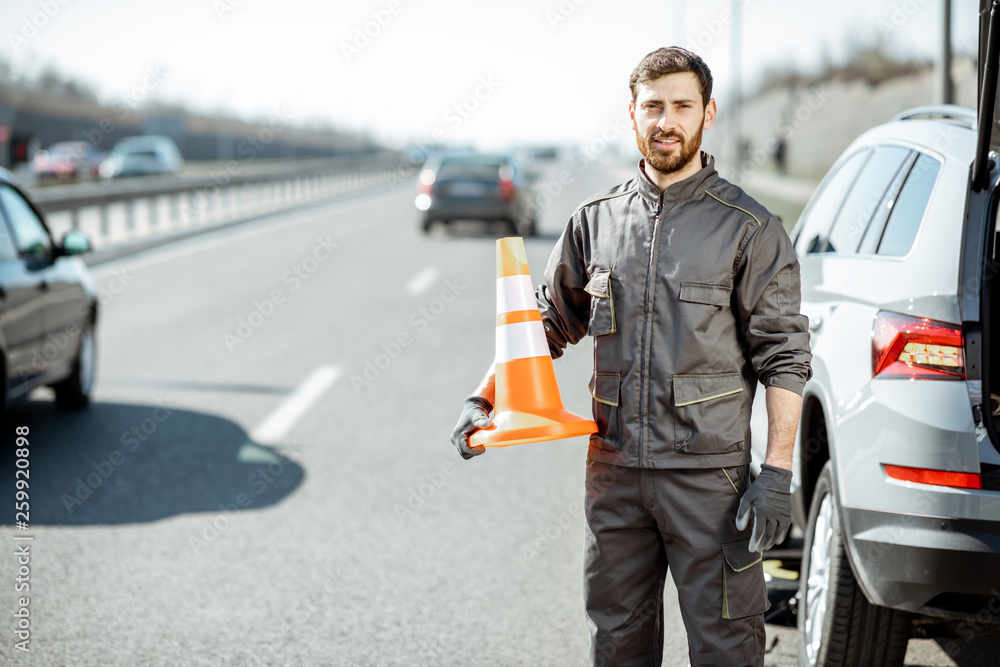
{"x":954,"y":112}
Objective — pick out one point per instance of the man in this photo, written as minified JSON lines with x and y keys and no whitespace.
{"x":690,"y":289}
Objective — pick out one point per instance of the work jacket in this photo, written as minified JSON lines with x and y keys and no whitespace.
{"x":691,"y":296}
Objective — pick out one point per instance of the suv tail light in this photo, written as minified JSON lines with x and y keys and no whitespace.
{"x":962,"y":480}
{"x":914,"y":348}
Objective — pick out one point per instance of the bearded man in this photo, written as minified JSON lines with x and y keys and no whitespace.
{"x":690,"y":290}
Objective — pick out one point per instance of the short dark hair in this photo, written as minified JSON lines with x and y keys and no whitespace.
{"x":670,"y":60}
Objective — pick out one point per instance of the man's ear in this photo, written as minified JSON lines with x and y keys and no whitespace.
{"x":631,"y":113}
{"x":710,"y":111}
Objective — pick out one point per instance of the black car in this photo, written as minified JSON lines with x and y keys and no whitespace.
{"x":48,"y":304}
{"x":476,"y":186}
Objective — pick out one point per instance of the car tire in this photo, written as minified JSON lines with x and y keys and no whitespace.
{"x":425,"y":225}
{"x":837,"y":625}
{"x":73,"y":393}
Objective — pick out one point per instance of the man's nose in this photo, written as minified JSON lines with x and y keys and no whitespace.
{"x":666,"y":122}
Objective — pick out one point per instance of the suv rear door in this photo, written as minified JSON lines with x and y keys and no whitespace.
{"x":979,"y":296}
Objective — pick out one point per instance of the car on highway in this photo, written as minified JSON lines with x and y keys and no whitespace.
{"x":146,"y":155}
{"x":476,"y":186}
{"x":897,"y":459}
{"x":48,"y":305}
{"x":67,"y":161}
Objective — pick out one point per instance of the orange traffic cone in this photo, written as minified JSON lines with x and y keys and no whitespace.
{"x":528,"y":405}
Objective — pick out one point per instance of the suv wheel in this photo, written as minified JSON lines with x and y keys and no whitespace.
{"x":837,"y":624}
{"x":74,"y":391}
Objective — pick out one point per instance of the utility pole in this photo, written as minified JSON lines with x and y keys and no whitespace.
{"x":944,"y":92}
{"x":679,"y":23}
{"x":736,"y":48}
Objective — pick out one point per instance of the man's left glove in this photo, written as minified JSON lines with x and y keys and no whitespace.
{"x":475,"y":415}
{"x":770,"y":499}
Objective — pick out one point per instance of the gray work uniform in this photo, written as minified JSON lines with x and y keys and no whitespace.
{"x":692,"y":297}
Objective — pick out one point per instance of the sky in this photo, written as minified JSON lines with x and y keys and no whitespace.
{"x":405,"y":71}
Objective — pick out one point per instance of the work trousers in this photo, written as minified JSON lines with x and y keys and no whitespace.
{"x":642,"y":523}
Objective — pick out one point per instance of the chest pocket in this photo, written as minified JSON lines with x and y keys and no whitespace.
{"x":713,"y":295}
{"x":602,"y":304}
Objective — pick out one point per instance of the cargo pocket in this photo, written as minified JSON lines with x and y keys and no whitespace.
{"x":605,"y":388}
{"x":602,"y":305}
{"x":744,"y":592}
{"x":707,"y":413}
{"x":713,"y":295}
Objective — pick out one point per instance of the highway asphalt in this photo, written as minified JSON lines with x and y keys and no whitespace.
{"x":265,"y":478}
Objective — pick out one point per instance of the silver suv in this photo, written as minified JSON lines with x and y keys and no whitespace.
{"x":897,"y":463}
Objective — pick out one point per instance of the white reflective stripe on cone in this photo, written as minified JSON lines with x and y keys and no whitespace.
{"x":520,"y":341}
{"x":515,"y":293}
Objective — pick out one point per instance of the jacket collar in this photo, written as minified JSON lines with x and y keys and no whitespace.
{"x":684,"y":190}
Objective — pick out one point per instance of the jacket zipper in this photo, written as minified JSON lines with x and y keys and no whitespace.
{"x":647,"y":325}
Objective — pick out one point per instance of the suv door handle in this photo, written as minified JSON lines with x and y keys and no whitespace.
{"x":815,"y":324}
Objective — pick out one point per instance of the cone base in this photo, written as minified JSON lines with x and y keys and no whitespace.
{"x":518,"y":428}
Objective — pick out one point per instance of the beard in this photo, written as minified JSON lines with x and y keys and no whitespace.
{"x":668,"y":163}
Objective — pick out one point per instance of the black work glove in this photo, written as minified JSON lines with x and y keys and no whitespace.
{"x":475,"y":415}
{"x":770,"y":499}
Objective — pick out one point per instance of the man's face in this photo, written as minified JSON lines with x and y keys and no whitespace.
{"x":668,"y":117}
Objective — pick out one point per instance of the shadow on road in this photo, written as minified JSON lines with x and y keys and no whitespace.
{"x":114,"y":464}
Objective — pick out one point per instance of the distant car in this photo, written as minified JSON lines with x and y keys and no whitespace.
{"x":146,"y":155}
{"x":897,"y":460}
{"x":48,"y":305}
{"x":476,"y":186}
{"x":67,"y":161}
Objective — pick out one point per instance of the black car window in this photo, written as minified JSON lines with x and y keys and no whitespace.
{"x":908,"y":211}
{"x":864,"y":198}
{"x":824,"y":207}
{"x":8,"y":250}
{"x":30,"y":236}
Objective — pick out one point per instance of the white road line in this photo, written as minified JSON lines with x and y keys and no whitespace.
{"x":423,"y":280}
{"x":290,"y":410}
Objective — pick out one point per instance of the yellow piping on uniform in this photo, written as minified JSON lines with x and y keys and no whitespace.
{"x":738,"y":208}
{"x":708,"y":398}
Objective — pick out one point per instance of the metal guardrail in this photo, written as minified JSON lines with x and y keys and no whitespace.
{"x":122,"y":210}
